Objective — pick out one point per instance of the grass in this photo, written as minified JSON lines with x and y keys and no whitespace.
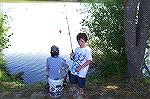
{"x":28,"y":90}
{"x":147,"y":80}
{"x":1,"y":74}
{"x":10,"y":84}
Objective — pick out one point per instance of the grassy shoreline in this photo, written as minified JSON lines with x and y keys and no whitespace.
{"x":10,"y":86}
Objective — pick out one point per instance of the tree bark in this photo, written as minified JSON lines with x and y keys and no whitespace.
{"x":136,"y":34}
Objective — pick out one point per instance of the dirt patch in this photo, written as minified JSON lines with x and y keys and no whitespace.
{"x":122,"y":89}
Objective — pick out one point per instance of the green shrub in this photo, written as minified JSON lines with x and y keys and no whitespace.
{"x":105,"y":28}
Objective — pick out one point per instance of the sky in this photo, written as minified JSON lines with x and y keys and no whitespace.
{"x":35,"y":26}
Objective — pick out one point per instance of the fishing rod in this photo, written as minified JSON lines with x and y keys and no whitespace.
{"x":71,"y":41}
{"x":68,"y":29}
{"x":70,"y":36}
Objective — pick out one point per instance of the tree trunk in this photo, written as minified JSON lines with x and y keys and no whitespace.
{"x":136,"y":34}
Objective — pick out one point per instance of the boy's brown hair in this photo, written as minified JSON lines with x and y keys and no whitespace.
{"x":83,"y":36}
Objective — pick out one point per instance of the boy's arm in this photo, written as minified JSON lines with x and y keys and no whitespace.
{"x":88,"y":62}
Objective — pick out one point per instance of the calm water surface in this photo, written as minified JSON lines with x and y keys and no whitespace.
{"x":32,"y":64}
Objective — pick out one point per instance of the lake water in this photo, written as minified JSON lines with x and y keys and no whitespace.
{"x":32,"y":64}
{"x":35,"y":28}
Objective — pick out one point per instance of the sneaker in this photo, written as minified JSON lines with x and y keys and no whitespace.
{"x":82,"y":94}
{"x":77,"y":95}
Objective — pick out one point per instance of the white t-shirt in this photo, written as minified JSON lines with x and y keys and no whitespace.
{"x":80,"y":57}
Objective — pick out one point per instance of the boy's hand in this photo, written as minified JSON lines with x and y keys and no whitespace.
{"x":78,"y":68}
{"x":72,"y":55}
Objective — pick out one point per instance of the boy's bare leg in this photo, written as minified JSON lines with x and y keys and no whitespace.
{"x":81,"y":91}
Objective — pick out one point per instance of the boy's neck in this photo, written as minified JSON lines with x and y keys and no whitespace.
{"x":83,"y":46}
{"x":55,"y":56}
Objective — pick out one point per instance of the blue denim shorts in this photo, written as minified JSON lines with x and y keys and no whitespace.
{"x":74,"y":79}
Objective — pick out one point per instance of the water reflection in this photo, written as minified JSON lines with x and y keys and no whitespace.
{"x":32,"y":64}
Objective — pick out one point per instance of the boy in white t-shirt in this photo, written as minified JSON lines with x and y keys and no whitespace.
{"x":82,"y":58}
